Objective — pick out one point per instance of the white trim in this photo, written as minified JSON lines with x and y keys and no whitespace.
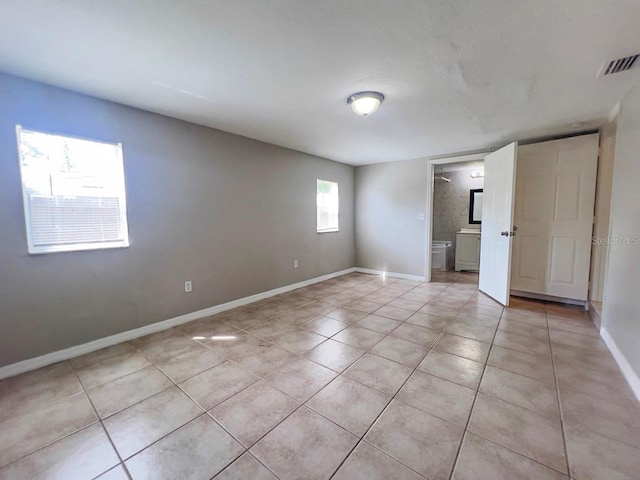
{"x":628,"y":372}
{"x":613,"y":114}
{"x":550,"y":298}
{"x":75,"y":351}
{"x":405,"y":276}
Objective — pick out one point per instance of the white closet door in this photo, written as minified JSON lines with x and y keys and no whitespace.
{"x":555,"y":194}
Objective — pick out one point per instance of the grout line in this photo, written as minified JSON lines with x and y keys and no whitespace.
{"x":473,"y":404}
{"x":393,"y":397}
{"x":104,"y":429}
{"x":555,"y":377}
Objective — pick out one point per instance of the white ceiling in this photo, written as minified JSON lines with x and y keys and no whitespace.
{"x":458,"y":75}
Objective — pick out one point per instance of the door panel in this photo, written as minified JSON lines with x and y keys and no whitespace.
{"x":497,"y":217}
{"x":555,"y":194}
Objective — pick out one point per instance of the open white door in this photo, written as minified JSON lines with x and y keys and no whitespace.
{"x":497,"y":222}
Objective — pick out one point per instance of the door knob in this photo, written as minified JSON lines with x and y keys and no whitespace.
{"x":505,"y":233}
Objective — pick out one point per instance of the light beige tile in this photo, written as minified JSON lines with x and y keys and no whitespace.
{"x":27,"y":433}
{"x":538,"y":367}
{"x":379,"y":373}
{"x":369,"y":463}
{"x":520,"y":390}
{"x":346,"y":315}
{"x":414,"y":333}
{"x":265,"y":360}
{"x":334,"y":355}
{"x":246,"y":468}
{"x":525,"y":316}
{"x":394,"y":313}
{"x":138,"y":426}
{"x":27,"y":392}
{"x":189,"y":363}
{"x":123,"y":392}
{"x":602,"y":383}
{"x":520,"y":429}
{"x":363,"y":305}
{"x":428,"y":320}
{"x":350,"y":404}
{"x":301,"y":378}
{"x":318,"y":308}
{"x":207,"y":328}
{"x":271,"y":330}
{"x":443,"y":312}
{"x":481,"y":459}
{"x":407,"y":304}
{"x":85,"y":454}
{"x":444,"y":399}
{"x":305,"y":446}
{"x":464,"y":347}
{"x":522,"y":343}
{"x":359,"y":337}
{"x":217,"y":384}
{"x":116,"y":473}
{"x":378,"y":324}
{"x":400,"y":351}
{"x":523,"y":328}
{"x":106,"y":370}
{"x":612,"y":417}
{"x":299,"y":341}
{"x":421,"y":441}
{"x":324,"y":326}
{"x":101,"y":355}
{"x":581,"y":326}
{"x":470,"y":330}
{"x":198,"y":450}
{"x":584,"y":342}
{"x":595,"y":457}
{"x":452,"y":367}
{"x":254,"y":411}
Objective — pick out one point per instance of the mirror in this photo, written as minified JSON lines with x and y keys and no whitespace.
{"x":475,"y":206}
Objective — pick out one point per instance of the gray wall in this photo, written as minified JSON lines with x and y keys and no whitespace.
{"x":451,"y":203}
{"x":389,"y":197}
{"x":621,"y":308}
{"x":226,"y":212}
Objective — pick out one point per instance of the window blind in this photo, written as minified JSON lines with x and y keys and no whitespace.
{"x":73,"y":191}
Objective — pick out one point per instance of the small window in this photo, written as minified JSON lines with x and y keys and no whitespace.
{"x":73,"y":193}
{"x":327,"y":203}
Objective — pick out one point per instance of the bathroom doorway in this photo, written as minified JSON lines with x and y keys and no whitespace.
{"x":455,"y":214}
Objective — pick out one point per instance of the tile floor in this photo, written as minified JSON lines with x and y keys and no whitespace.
{"x":359,"y":377}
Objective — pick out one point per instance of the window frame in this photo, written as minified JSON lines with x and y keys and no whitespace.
{"x":81,"y":246}
{"x":337,"y":228}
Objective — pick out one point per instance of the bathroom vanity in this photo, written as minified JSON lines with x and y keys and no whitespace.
{"x":468,"y":250}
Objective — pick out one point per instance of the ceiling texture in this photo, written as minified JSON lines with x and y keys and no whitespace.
{"x":458,"y":75}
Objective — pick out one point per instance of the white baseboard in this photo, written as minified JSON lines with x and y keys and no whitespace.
{"x":628,"y":372}
{"x":75,"y":351}
{"x":390,"y":274}
{"x":550,"y":298}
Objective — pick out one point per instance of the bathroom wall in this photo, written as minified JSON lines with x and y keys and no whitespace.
{"x":451,"y":203}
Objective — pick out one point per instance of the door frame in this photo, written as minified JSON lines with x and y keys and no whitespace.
{"x":431,"y":168}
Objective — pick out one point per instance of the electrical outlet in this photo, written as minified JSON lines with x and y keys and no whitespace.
{"x":188,"y":286}
{"x":421,"y":216}
{"x":295,"y":264}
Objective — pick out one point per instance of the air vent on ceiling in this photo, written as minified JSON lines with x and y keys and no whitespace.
{"x":619,"y":65}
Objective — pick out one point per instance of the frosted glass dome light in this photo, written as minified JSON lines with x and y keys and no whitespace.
{"x":365,"y":103}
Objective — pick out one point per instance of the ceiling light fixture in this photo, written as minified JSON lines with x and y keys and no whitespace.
{"x":365,"y":103}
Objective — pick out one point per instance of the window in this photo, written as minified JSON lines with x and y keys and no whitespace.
{"x":327,"y":203}
{"x":73,"y":193}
